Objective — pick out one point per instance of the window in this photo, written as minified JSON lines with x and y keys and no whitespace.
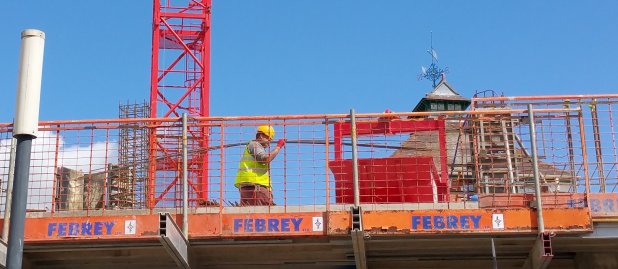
{"x":451,"y":107}
{"x":441,"y":106}
{"x":434,"y":106}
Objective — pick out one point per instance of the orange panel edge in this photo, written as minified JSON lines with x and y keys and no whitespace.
{"x":464,"y":221}
{"x":337,"y":223}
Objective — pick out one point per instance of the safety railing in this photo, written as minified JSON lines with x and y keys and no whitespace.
{"x":441,"y":160}
{"x":580,"y":146}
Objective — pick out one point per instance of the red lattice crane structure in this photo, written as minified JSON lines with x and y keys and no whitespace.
{"x":180,"y":83}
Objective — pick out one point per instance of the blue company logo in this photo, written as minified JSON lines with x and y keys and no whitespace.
{"x":445,"y":222}
{"x":259,"y":225}
{"x":596,"y":205}
{"x":80,"y":229}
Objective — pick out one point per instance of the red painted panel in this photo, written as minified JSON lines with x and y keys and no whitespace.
{"x":388,"y":180}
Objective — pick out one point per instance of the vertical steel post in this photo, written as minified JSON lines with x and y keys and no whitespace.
{"x":582,"y":137}
{"x":507,"y":147}
{"x":25,"y":129}
{"x":475,"y":153}
{"x":285,"y":176}
{"x":354,"y":158}
{"x":221,"y":167}
{"x":55,"y":182}
{"x":482,"y":178}
{"x":597,"y":144}
{"x":494,"y":259}
{"x":9,"y":192}
{"x":567,"y":117}
{"x":106,"y":172}
{"x":18,"y":204}
{"x":535,"y":167}
{"x":357,"y":233}
{"x":514,"y":139}
{"x":185,"y":180}
{"x":326,"y":167}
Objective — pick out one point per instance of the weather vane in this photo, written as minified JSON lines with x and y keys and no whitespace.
{"x":433,"y":72}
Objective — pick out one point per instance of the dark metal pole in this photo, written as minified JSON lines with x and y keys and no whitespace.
{"x":9,"y":192}
{"x":535,"y":169}
{"x":567,"y":117}
{"x":25,"y":128}
{"x":354,"y":158}
{"x":597,"y":144}
{"x":493,"y":255}
{"x":15,"y":245}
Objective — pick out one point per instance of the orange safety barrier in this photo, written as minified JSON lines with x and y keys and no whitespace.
{"x":477,"y":160}
{"x":578,"y":150}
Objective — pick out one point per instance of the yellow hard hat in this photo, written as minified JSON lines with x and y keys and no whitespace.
{"x":267,"y":130}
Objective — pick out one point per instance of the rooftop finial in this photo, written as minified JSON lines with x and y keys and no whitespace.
{"x":434,"y":72}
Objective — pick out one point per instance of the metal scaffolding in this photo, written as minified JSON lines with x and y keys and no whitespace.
{"x":126,"y":179}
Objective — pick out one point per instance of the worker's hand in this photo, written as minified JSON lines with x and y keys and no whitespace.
{"x":281,"y":143}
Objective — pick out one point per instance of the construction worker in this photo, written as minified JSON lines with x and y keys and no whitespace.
{"x":253,"y":179}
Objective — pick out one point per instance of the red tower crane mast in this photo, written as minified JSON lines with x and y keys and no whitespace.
{"x":180,"y":83}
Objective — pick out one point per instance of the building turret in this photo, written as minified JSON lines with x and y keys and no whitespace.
{"x":442,"y":98}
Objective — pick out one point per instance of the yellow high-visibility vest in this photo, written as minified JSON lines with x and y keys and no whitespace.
{"x":251,"y":171}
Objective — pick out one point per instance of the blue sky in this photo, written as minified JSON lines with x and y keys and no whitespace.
{"x":317,"y":56}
